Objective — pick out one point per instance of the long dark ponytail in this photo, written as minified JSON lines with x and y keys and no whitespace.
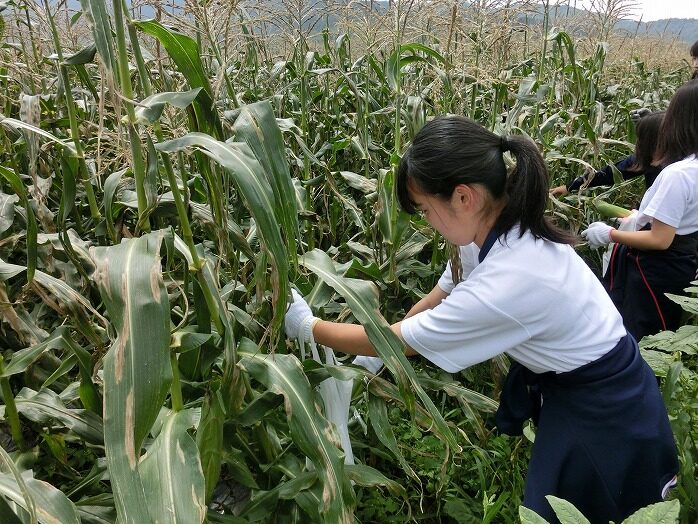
{"x":454,"y":150}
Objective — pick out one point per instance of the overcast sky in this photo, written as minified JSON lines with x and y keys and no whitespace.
{"x":657,"y":9}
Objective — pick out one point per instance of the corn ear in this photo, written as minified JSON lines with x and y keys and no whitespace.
{"x":610,"y":210}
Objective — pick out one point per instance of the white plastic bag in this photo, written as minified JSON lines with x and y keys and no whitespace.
{"x":628,"y":223}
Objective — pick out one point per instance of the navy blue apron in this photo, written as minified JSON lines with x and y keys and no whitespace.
{"x":637,"y":281}
{"x":603,"y":440}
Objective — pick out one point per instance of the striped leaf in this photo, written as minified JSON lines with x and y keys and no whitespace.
{"x":241,"y":163}
{"x":362,"y":298}
{"x":137,"y":370}
{"x":172,"y":476}
{"x":311,"y":432}
{"x":256,"y":125}
{"x":185,"y":52}
{"x":100,"y":23}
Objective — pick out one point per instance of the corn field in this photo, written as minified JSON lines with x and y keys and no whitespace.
{"x":167,"y":171}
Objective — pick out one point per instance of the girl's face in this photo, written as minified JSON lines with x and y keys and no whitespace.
{"x":459,"y":218}
{"x":694,"y":62}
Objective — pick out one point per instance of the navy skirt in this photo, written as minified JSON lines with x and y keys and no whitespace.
{"x":638,"y":280}
{"x":603,"y":440}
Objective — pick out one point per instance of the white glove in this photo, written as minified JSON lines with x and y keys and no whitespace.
{"x":373,"y":364}
{"x":299,"y":318}
{"x":628,"y":223}
{"x":598,"y":234}
{"x":637,"y":114}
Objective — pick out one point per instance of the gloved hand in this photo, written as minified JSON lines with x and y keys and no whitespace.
{"x":637,"y":114}
{"x":299,"y":318}
{"x":373,"y":364}
{"x":598,"y":234}
{"x":628,"y":223}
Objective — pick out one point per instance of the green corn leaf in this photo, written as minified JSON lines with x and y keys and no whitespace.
{"x":51,"y":505}
{"x":82,"y":57}
{"x":32,"y":228}
{"x":362,"y":298}
{"x":100,"y":23}
{"x":256,"y":125}
{"x":137,"y":369}
{"x":241,"y":163}
{"x":172,"y":475}
{"x":150,"y":109}
{"x":378,"y":416}
{"x":46,"y":405}
{"x":312,"y":433}
{"x":185,"y":52}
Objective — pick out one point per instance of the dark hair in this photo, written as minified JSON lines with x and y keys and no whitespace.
{"x":454,"y":150}
{"x":678,"y":136}
{"x":694,"y":49}
{"x":647,"y":131}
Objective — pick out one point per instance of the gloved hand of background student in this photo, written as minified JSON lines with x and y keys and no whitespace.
{"x":628,"y":223}
{"x":299,"y":318}
{"x":598,"y":234}
{"x":637,"y":114}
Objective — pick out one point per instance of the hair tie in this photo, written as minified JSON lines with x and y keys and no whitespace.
{"x":503,"y":144}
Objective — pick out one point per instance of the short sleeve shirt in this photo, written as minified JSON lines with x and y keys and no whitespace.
{"x":673,"y":198}
{"x":533,"y":299}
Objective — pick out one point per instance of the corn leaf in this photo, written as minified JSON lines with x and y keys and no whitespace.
{"x":137,"y":370}
{"x":46,"y":405}
{"x":362,"y":298}
{"x":52,"y":506}
{"x":312,"y":433}
{"x":256,"y":125}
{"x":240,"y":162}
{"x":185,"y":52}
{"x":172,"y":476}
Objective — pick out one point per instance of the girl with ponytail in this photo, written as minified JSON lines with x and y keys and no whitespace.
{"x":603,"y":439}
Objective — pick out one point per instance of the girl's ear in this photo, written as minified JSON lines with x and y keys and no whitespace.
{"x":464,"y":195}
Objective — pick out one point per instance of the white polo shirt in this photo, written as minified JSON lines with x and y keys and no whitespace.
{"x":535,"y":300}
{"x":673,"y":198}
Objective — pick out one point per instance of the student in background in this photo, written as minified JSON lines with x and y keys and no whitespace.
{"x":659,"y":256}
{"x":637,"y":164}
{"x":603,"y":440}
{"x":694,"y":59}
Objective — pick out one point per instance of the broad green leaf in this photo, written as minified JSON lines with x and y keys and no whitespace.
{"x":84,"y":56}
{"x":209,"y":440}
{"x":256,"y":125}
{"x":528,"y":516}
{"x":150,"y":109}
{"x":24,"y":358}
{"x":23,"y":126}
{"x":32,"y":228}
{"x":46,"y":405}
{"x":312,"y":433}
{"x":185,"y":52}
{"x":240,"y":162}
{"x":172,"y":476}
{"x":52,"y":506}
{"x":137,"y":369}
{"x":661,"y":513}
{"x":100,"y":23}
{"x":362,"y":298}
{"x":566,"y":511}
{"x":370,"y":477}
{"x":7,"y":211}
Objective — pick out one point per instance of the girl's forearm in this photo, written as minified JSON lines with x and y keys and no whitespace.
{"x":658,"y":238}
